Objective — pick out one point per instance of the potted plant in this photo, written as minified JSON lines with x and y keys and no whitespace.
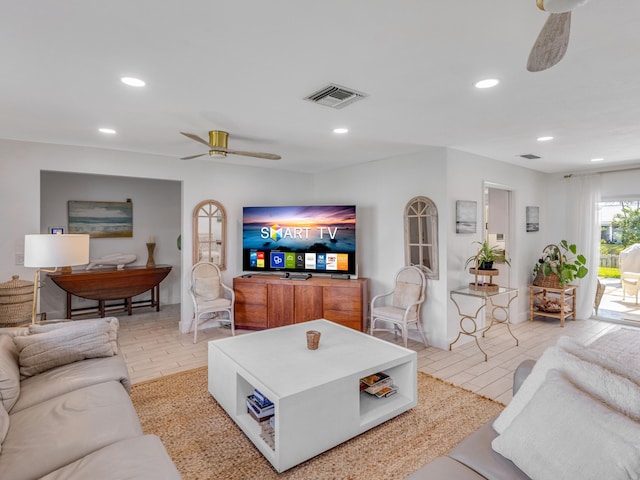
{"x":487,"y":255}
{"x":561,"y":261}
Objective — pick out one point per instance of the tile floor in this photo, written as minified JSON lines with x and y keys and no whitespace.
{"x":153,"y":347}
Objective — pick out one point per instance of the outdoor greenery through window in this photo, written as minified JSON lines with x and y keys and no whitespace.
{"x":619,"y":229}
{"x":421,"y":235}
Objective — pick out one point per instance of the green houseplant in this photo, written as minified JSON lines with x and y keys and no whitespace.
{"x":561,"y":260}
{"x":486,"y":255}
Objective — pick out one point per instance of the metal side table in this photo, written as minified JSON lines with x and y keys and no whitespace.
{"x":468,"y":325}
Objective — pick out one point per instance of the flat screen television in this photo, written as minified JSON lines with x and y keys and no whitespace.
{"x":304,"y":239}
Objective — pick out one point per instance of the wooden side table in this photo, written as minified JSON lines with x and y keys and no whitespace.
{"x":567,"y":295}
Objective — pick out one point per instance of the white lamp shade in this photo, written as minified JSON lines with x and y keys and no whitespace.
{"x":55,"y":250}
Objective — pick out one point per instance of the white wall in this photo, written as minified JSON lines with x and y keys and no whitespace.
{"x":232,"y":185}
{"x":380,"y":189}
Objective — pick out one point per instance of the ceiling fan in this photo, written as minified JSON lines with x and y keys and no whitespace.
{"x":552,"y":42}
{"x":217,"y":145}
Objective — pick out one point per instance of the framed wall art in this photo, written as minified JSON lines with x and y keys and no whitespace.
{"x":101,"y":219}
{"x":466,"y":216}
{"x":533,"y":219}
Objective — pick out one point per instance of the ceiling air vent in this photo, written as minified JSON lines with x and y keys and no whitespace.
{"x":335,"y":96}
{"x":530,"y":156}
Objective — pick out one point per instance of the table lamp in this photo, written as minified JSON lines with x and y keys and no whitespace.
{"x":45,"y":251}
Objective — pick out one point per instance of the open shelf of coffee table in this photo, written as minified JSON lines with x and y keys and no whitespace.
{"x":316,"y":393}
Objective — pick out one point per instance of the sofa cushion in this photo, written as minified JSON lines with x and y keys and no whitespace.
{"x":9,"y":372}
{"x":594,"y":372}
{"x":476,"y":453}
{"x":112,"y":332}
{"x":73,"y":376}
{"x":563,"y":432}
{"x":59,"y":431}
{"x":444,"y":468}
{"x":42,"y":351}
{"x":138,"y":458}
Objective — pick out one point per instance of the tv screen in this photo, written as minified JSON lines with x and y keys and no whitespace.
{"x":306,"y":239}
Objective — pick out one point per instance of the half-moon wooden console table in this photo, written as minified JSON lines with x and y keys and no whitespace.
{"x":112,"y":284}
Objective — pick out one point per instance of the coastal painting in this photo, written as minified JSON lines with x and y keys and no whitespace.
{"x":533,"y":219}
{"x":101,"y":219}
{"x":466,"y":216}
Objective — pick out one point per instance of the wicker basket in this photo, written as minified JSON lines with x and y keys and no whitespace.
{"x":16,"y":302}
{"x":552,"y":280}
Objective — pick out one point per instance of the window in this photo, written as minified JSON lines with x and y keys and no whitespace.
{"x":209,"y":233}
{"x":421,"y":235}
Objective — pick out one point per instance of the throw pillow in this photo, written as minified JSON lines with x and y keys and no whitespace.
{"x":113,"y":332}
{"x":405,"y":294}
{"x":207,"y":288}
{"x":547,"y":361}
{"x":9,"y":372}
{"x":565,"y":433}
{"x":42,"y":351}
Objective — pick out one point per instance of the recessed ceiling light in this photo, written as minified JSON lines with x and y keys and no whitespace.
{"x":487,"y":83}
{"x":340,"y":130}
{"x":597,"y":159}
{"x":110,"y":131}
{"x":545,"y":139}
{"x":133,"y":82}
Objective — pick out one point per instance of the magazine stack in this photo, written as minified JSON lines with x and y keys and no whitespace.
{"x":262,"y":410}
{"x":379,"y":385}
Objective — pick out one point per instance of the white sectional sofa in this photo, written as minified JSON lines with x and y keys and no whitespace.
{"x":575,"y":414}
{"x":74,"y":420}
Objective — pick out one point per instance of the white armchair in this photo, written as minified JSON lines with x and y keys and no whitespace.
{"x":630,"y":271}
{"x":401,"y":306}
{"x":211,"y":298}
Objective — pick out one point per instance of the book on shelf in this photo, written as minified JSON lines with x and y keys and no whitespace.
{"x":262,"y":400}
{"x":386,"y":391}
{"x":260,"y":420}
{"x":258,"y":411}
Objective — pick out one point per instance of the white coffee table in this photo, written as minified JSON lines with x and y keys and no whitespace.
{"x":318,"y":403}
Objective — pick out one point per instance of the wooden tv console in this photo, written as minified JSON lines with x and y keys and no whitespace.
{"x":267,"y":301}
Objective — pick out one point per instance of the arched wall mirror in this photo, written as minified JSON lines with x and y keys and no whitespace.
{"x":210,"y":233}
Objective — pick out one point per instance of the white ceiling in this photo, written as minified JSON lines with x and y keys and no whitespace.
{"x":244,"y":67}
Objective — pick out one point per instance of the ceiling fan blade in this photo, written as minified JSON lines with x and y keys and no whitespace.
{"x":267,"y":156}
{"x":193,"y":156}
{"x":196,"y":138}
{"x":552,"y":42}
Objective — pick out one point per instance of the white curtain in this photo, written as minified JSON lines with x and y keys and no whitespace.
{"x":583,"y":222}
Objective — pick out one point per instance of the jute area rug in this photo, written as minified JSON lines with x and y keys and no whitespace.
{"x":205,"y":443}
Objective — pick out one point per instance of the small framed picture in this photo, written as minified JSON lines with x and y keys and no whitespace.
{"x":533,"y":219}
{"x":466,"y":216}
{"x":56,"y":230}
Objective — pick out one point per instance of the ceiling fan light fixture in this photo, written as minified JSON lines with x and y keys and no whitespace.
{"x":133,"y":82}
{"x":559,"y":6}
{"x":486,"y":83}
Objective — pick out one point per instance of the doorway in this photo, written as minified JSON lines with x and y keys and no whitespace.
{"x":616,"y":234}
{"x":497,"y":224}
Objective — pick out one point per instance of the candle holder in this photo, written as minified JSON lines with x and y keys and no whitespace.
{"x":150,"y":261}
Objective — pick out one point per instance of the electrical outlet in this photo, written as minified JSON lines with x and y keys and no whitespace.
{"x":19,"y":258}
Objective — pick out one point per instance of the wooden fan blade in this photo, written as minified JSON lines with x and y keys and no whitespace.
{"x":267,"y":156}
{"x":193,"y":156}
{"x":552,"y":42}
{"x":196,"y":138}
